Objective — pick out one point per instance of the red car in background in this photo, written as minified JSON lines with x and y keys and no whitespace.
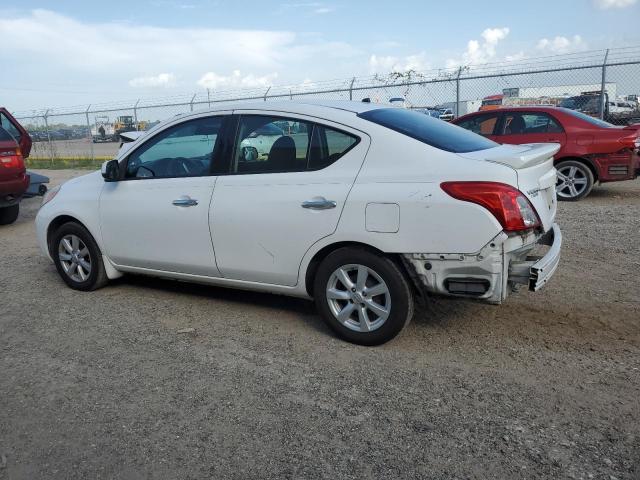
{"x":15,"y":145}
{"x":591,"y":150}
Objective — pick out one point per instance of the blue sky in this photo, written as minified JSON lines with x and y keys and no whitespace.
{"x":77,"y":52}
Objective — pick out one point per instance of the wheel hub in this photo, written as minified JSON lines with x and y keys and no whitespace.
{"x":358,"y":298}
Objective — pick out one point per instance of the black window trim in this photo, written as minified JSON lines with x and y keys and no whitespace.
{"x":283,"y":116}
{"x":220,"y":143}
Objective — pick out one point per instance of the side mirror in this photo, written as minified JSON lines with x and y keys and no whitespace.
{"x":111,"y":171}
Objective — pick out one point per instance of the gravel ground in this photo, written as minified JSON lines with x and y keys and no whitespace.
{"x":102,"y":385}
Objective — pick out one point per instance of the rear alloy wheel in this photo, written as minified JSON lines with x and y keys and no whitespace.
{"x":9,"y":215}
{"x":575,"y":180}
{"x":78,"y":258}
{"x":363,"y":297}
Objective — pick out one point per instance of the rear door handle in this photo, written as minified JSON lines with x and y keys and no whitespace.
{"x":185,"y":201}
{"x":319,"y":203}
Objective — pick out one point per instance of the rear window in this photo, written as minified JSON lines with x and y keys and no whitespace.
{"x":5,"y":136}
{"x":587,"y":118}
{"x":432,"y":131}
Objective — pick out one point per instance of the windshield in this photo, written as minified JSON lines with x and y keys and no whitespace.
{"x":588,"y":103}
{"x":593,"y":121}
{"x":428,"y":130}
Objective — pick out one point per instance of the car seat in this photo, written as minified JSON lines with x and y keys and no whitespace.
{"x":282,"y":156}
{"x":516,"y":126}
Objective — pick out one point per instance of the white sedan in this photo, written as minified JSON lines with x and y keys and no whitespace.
{"x":380,"y":206}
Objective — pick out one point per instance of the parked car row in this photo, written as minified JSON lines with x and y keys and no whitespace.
{"x":362,"y":207}
{"x":59,"y":134}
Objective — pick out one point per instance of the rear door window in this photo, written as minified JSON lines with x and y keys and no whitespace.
{"x":434,"y":132}
{"x":267,"y":144}
{"x":271,"y":144}
{"x":528,"y":123}
{"x":327,"y":146}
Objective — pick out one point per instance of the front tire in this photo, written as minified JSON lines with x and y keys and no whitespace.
{"x":575,"y":180}
{"x":8,"y":215}
{"x":78,"y":258}
{"x":362,"y":296}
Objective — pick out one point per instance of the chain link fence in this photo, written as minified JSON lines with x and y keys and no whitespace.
{"x":604,"y":84}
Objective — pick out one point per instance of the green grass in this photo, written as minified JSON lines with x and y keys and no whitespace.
{"x":65,"y":163}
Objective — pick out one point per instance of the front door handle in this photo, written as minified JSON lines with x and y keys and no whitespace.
{"x":319,"y":203}
{"x":185,"y":201}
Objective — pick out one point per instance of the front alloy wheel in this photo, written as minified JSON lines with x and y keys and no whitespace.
{"x":75,"y":258}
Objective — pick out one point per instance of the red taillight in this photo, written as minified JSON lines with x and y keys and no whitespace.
{"x":11,"y":159}
{"x":630,"y":142}
{"x":510,"y":207}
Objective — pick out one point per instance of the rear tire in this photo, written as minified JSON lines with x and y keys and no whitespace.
{"x":362,"y":296}
{"x":575,"y":180}
{"x":9,"y":215}
{"x":78,"y":258}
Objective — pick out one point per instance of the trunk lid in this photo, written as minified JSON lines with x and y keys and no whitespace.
{"x":536,"y":174}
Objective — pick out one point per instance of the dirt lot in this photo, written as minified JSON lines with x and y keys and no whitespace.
{"x":102,"y":385}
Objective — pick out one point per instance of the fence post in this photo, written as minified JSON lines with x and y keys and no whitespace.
{"x":46,"y":127}
{"x":353,"y":80}
{"x":191,"y":102}
{"x":458,"y":91}
{"x":265,"y":93}
{"x":209,"y":97}
{"x":135,"y":113}
{"x":93,"y":155}
{"x":603,"y":96}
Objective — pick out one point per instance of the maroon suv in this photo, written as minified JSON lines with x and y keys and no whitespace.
{"x":15,"y":145}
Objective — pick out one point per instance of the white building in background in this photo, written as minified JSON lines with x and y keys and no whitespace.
{"x":558,"y":90}
{"x":466,"y":106}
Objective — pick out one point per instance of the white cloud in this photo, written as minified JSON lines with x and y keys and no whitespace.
{"x":388,"y":63}
{"x":318,"y":8}
{"x":515,"y":56}
{"x":559,"y":44}
{"x":160,"y":80}
{"x":481,"y":52}
{"x":102,"y":56}
{"x":236,"y":80}
{"x":607,"y":4}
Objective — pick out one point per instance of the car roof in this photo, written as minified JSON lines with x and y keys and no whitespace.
{"x":304,"y":106}
{"x":330,"y":109}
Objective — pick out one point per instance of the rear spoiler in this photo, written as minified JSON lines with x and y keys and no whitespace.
{"x":126,"y":137}
{"x":532,"y":154}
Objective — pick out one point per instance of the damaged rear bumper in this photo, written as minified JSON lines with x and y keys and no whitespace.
{"x":490,"y":274}
{"x":536,"y":271}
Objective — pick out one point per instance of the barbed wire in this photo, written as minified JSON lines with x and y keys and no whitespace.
{"x":549,"y":63}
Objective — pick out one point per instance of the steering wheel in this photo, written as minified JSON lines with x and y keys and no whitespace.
{"x":183,"y":167}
